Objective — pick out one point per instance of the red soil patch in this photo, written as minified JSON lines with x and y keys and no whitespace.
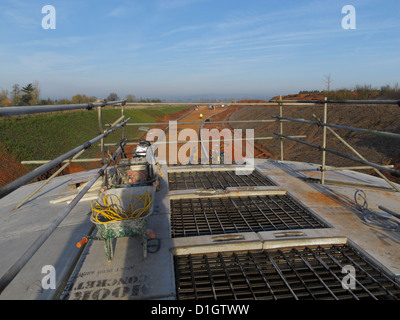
{"x":259,"y":151}
{"x":302,"y":96}
{"x":10,"y":168}
{"x":252,"y":101}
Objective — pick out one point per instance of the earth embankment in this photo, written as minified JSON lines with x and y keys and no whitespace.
{"x":378,"y":149}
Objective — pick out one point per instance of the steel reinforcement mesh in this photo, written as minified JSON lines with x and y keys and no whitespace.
{"x":215,"y":180}
{"x":205,"y":216}
{"x":293,"y":273}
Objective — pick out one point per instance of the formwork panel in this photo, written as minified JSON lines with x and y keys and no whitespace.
{"x":314,"y":273}
{"x":205,"y":216}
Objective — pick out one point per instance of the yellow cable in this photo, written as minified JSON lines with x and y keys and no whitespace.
{"x":111,"y":209}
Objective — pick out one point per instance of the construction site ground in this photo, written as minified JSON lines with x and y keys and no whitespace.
{"x":378,"y":149}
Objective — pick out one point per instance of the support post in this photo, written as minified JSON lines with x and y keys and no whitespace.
{"x":324,"y":142}
{"x":360,"y":156}
{"x":123,"y":115}
{"x":100,"y":117}
{"x":281,"y":124}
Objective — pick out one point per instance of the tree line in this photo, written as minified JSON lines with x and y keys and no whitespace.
{"x":361,"y":92}
{"x":29,"y":95}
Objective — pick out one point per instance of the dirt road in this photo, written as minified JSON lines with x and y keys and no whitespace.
{"x":214,"y":142}
{"x":183,"y":153}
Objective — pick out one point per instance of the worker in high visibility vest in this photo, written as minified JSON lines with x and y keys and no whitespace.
{"x":201,"y":115}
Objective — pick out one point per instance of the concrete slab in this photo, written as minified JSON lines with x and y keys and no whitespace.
{"x":127,"y":276}
{"x":20,"y":228}
{"x":59,"y":251}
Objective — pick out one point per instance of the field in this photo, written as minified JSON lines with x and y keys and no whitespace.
{"x":46,"y":136}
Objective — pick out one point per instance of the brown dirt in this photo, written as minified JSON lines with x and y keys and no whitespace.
{"x":259,"y":150}
{"x":252,"y":101}
{"x":192,"y":117}
{"x":374,"y":148}
{"x":10,"y":168}
{"x":301,"y":96}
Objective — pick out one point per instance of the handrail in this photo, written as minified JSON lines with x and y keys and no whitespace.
{"x":381,"y":133}
{"x":324,"y":123}
{"x":35,"y":246}
{"x":5,"y":190}
{"x":395,"y":173}
{"x":196,"y":122}
{"x":21,"y":110}
{"x":270,"y":102}
{"x":340,"y":101}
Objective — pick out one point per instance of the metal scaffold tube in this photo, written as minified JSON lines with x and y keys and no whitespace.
{"x":22,"y":110}
{"x":5,"y":190}
{"x":337,"y":126}
{"x":393,"y":172}
{"x":387,"y":102}
{"x":21,"y":262}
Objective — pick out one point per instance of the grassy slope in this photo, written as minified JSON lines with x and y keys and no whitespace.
{"x":44,"y":137}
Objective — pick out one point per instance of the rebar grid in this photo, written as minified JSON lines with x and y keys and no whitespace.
{"x":204,"y":216}
{"x":313,"y":273}
{"x":215,"y":180}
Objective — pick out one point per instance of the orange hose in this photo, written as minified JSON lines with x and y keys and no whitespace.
{"x":151,"y":233}
{"x":82,"y":242}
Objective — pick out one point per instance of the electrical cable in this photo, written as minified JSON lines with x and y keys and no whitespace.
{"x":112,"y":208}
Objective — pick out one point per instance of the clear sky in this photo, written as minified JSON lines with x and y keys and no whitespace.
{"x":181,"y":48}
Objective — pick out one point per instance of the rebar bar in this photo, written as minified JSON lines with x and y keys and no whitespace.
{"x":221,"y":179}
{"x":202,"y":216}
{"x":287,"y":273}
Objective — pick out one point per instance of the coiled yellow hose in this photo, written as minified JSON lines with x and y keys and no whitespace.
{"x":111,"y":209}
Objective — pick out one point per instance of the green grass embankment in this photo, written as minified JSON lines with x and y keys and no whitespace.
{"x":46,"y":136}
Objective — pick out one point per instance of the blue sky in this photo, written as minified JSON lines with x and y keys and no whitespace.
{"x":181,"y":48}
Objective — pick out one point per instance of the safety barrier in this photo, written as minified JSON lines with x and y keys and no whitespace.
{"x":328,"y":126}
